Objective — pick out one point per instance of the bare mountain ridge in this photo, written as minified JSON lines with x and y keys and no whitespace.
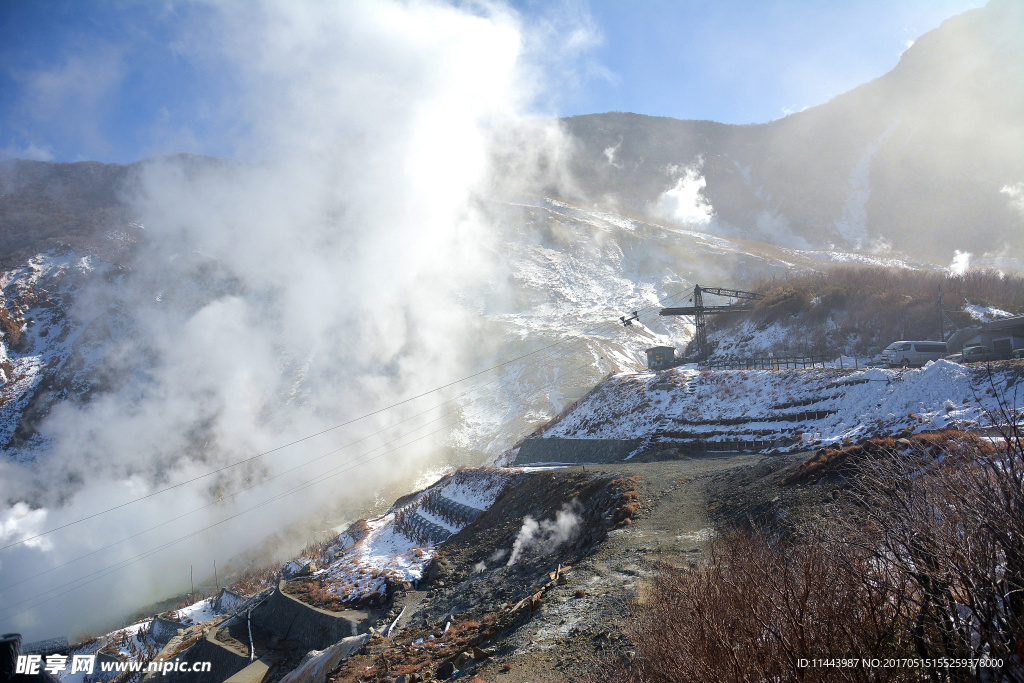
{"x":925,"y":160}
{"x":933,"y":148}
{"x":45,"y":205}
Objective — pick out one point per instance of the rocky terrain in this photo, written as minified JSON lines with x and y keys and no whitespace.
{"x":529,"y":573}
{"x":169,"y":320}
{"x":494,"y":605}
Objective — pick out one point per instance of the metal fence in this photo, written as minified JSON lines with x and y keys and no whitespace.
{"x":767,"y":363}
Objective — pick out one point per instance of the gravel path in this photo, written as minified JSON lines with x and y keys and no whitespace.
{"x":684,"y":503}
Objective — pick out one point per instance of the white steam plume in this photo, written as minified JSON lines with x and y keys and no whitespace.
{"x":960,"y":263}
{"x":547,"y":535}
{"x":271,"y":301}
{"x":684,"y":202}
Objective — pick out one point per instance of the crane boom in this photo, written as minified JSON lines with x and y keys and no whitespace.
{"x":699,"y":310}
{"x":734,"y":293}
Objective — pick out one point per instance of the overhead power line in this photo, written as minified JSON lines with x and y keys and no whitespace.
{"x":257,"y":484}
{"x":200,"y":477}
{"x":314,"y":481}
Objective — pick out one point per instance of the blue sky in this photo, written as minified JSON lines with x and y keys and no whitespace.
{"x":117,"y":81}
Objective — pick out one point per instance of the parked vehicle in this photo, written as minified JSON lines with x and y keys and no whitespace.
{"x":905,"y":354}
{"x":979,"y":354}
{"x":1018,"y":353}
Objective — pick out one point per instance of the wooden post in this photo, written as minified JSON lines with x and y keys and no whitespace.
{"x":216,"y":581}
{"x":192,"y":595}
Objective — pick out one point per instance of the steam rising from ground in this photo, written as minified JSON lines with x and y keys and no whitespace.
{"x":547,"y":535}
{"x":684,"y":202}
{"x":274,"y":300}
{"x":960,"y":263}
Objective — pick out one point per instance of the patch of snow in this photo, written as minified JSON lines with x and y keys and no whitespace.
{"x":385,"y":554}
{"x":833,"y":405}
{"x":985,"y":313}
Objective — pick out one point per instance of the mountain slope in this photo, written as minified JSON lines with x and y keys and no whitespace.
{"x":929,"y":157}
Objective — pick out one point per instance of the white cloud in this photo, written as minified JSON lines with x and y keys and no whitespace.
{"x":70,"y":96}
{"x":31,"y":151}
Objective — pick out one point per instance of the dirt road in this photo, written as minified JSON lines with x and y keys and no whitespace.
{"x":684,"y":503}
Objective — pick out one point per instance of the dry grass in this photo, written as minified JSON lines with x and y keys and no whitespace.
{"x":839,"y":463}
{"x":254,"y":579}
{"x":924,"y":557}
{"x":10,"y":328}
{"x":872,"y":306}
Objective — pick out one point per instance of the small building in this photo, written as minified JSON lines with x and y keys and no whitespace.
{"x":1005,"y":334}
{"x":661,"y":357}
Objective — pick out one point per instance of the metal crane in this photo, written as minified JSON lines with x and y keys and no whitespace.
{"x":699,"y":310}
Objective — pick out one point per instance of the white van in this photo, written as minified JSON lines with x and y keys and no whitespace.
{"x":905,"y":354}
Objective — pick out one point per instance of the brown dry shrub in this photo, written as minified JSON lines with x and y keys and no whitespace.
{"x":752,"y":612}
{"x":10,"y":328}
{"x":951,"y":528}
{"x":845,"y":462}
{"x":923,"y":558}
{"x":254,"y":579}
{"x":315,"y":550}
{"x":872,"y":305}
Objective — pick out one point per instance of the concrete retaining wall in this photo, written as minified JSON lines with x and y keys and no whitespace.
{"x":289,"y":618}
{"x":254,"y":673}
{"x":225,"y":661}
{"x":162,"y":630}
{"x":228,"y":600}
{"x":554,"y":450}
{"x":434,"y":532}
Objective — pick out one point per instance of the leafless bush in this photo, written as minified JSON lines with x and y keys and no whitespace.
{"x":759,"y":612}
{"x":872,"y":306}
{"x":254,"y":579}
{"x":924,"y":558}
{"x":319,"y":551}
{"x":952,"y":530}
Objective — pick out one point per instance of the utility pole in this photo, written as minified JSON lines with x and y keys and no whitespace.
{"x":942,"y":317}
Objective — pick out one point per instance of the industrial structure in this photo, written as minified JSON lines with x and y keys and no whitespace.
{"x":699,"y":311}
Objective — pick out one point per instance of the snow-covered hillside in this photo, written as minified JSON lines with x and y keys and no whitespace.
{"x":64,"y":341}
{"x":569,"y":273}
{"x":793,"y":409}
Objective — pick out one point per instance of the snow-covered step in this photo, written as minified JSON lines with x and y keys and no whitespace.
{"x":434,"y":533}
{"x":457,"y":514}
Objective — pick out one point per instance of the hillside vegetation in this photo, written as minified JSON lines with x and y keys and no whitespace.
{"x":879,"y":576}
{"x":860,"y":310}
